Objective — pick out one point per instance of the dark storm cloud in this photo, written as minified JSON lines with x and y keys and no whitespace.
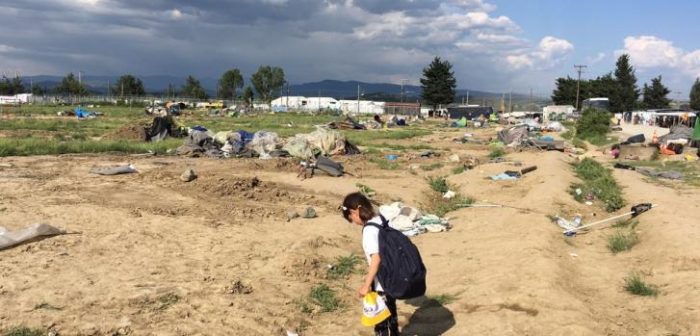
{"x":311,"y":39}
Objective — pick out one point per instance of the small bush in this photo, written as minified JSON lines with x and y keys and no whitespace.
{"x":384,"y":163}
{"x":636,"y":285}
{"x":496,"y":151}
{"x":568,"y":135}
{"x":593,"y":123}
{"x":343,"y":267}
{"x":24,"y":331}
{"x":621,"y":241}
{"x":442,"y":207}
{"x":438,"y":184}
{"x":366,"y":190}
{"x":325,"y":298}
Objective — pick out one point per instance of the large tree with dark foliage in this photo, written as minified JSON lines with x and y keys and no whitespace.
{"x":248,"y":96}
{"x":565,"y":91}
{"x":11,"y":87}
{"x":695,"y":95}
{"x":229,"y":83}
{"x":268,"y":81}
{"x":128,"y":85}
{"x":71,"y":86}
{"x":193,"y":89}
{"x":655,"y":94}
{"x":626,"y":94}
{"x":438,"y":83}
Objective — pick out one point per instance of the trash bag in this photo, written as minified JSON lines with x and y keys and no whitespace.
{"x":299,"y":147}
{"x":329,"y":166}
{"x":639,"y":138}
{"x":160,"y":129}
{"x":12,"y":238}
{"x":329,"y":142}
{"x":264,"y":142}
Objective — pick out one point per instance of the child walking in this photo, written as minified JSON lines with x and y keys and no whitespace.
{"x":358,"y":210}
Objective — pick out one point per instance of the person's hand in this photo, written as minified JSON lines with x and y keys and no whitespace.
{"x":362,"y":291}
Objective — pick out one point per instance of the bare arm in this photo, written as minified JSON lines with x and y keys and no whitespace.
{"x":374,"y":263}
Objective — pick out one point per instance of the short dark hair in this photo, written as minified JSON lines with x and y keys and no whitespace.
{"x":358,"y":201}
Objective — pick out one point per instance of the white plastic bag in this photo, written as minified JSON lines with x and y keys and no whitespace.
{"x":12,"y":238}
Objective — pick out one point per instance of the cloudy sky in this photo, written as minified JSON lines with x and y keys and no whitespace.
{"x":495,"y":45}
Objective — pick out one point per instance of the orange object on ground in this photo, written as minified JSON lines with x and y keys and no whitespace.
{"x":665,"y":151}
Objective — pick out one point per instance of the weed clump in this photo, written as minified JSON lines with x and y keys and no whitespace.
{"x":621,"y":241}
{"x":324,"y":297}
{"x":496,"y":151}
{"x":343,"y":267}
{"x":636,"y":285}
{"x":438,"y":184}
{"x":24,"y":331}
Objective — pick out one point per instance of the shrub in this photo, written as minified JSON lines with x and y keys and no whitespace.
{"x":344,"y":266}
{"x":598,"y":181}
{"x":579,"y":143}
{"x":24,"y":331}
{"x":593,"y":122}
{"x":496,"y":151}
{"x":438,"y":184}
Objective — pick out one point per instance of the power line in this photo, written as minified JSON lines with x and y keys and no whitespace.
{"x":579,"y":69}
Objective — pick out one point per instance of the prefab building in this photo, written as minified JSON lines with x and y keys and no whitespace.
{"x":361,"y":107}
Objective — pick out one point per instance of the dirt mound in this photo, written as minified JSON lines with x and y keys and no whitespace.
{"x":128,"y":132}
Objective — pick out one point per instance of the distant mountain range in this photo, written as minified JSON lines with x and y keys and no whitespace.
{"x":325,"y":88}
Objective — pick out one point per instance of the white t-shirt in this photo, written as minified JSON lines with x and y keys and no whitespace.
{"x":370,"y":244}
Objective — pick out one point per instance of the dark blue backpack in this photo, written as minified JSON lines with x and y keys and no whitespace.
{"x":401,"y":272}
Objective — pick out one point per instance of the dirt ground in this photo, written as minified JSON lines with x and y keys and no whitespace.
{"x":152,"y":255}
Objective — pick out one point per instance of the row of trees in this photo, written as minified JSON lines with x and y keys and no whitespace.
{"x":267,"y":81}
{"x":621,"y":88}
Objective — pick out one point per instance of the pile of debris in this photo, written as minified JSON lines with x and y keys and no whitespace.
{"x":410,"y":221}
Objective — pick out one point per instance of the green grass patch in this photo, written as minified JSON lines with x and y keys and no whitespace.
{"x":622,"y":241}
{"x":569,"y":134}
{"x":599,"y":182}
{"x":626,"y":223}
{"x":496,"y":151}
{"x":24,"y":331}
{"x":343,"y":266}
{"x":366,"y":190}
{"x":441,"y":207}
{"x":443,"y":299}
{"x":40,"y":146}
{"x":324,"y":297}
{"x":578,"y":143}
{"x":634,"y":284}
{"x":438,"y":184}
{"x":432,"y":166}
{"x":383,"y":163}
{"x":458,"y":170}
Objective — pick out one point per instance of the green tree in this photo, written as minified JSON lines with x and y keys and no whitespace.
{"x":602,"y":86}
{"x":193,"y":89}
{"x":229,"y":84}
{"x":695,"y":95}
{"x":37,"y":90}
{"x":128,"y":85}
{"x":626,"y":93}
{"x":71,"y":86}
{"x":438,"y":83}
{"x":12,"y":86}
{"x":267,"y":81}
{"x":565,"y":91}
{"x":655,"y":94}
{"x":248,"y":96}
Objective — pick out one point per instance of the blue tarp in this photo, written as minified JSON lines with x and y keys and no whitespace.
{"x":81,"y":113}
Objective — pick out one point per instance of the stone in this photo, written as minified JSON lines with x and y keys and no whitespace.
{"x":188,"y":176}
{"x":292,"y":214}
{"x":309,"y":213}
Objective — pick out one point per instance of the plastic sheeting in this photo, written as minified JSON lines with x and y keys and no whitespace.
{"x":323,"y":140}
{"x":12,"y":238}
{"x":264,"y":142}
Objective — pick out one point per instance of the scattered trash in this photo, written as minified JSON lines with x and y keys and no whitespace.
{"x":453,"y":158}
{"x":128,"y":169}
{"x":292,"y":333}
{"x":573,"y":255}
{"x":671,"y":175}
{"x":309,"y":213}
{"x":392,"y":157}
{"x":12,"y":238}
{"x":238,"y":287}
{"x":513,"y":174}
{"x":449,"y":194}
{"x":634,"y":212}
{"x":410,"y":221}
{"x":578,"y":191}
{"x":569,"y":225}
{"x":503,"y":177}
{"x":188,"y":176}
{"x":427,"y":154}
{"x":588,"y":203}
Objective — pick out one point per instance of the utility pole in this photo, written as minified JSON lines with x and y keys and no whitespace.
{"x":403,"y":82}
{"x":579,"y":69}
{"x":358,"y":98}
{"x":510,"y":101}
{"x":467,"y":98}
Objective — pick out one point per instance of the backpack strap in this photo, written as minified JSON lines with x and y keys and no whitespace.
{"x":385,"y":223}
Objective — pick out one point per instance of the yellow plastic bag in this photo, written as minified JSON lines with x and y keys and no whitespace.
{"x":374,"y":310}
